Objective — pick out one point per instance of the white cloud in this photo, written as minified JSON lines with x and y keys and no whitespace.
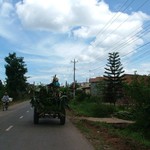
{"x":6,"y":11}
{"x":47,"y":15}
{"x":9,"y":27}
{"x":61,"y":15}
{"x":37,"y":78}
{"x":61,"y":30}
{"x":89,"y":16}
{"x":121,"y":36}
{"x":46,"y":75}
{"x":140,"y":68}
{"x":68,"y":50}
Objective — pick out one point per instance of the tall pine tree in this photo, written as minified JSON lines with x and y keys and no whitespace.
{"x":15,"y":72}
{"x":114,"y":78}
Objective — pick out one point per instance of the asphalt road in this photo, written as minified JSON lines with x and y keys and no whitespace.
{"x":17,"y":132}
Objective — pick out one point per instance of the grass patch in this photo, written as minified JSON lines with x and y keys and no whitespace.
{"x":125,"y":133}
{"x":126,"y":115}
{"x":133,"y":139}
{"x":120,"y":136}
{"x":114,"y":136}
{"x":91,"y":109}
{"x":92,"y":135}
{"x":106,"y":136}
{"x":82,"y":128}
{"x":83,"y":108}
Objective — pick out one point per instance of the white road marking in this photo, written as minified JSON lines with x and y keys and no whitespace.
{"x":20,"y":117}
{"x":27,"y":111}
{"x":9,"y":128}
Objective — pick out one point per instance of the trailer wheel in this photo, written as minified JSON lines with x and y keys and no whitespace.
{"x":62,"y":116}
{"x":36,"y":116}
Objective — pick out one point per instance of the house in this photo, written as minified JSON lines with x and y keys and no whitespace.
{"x":85,"y":86}
{"x":130,"y":77}
{"x":94,"y":82}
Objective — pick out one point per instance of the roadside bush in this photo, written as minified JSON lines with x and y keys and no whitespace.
{"x":103,"y":110}
{"x":82,"y":108}
{"x":139,"y":91}
{"x":125,"y":115}
{"x":81,"y":95}
{"x":92,"y":109}
{"x":143,"y":120}
{"x":97,"y":99}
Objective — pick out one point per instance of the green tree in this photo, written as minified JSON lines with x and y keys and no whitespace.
{"x":114,"y":78}
{"x":2,"y":89}
{"x":139,"y":91}
{"x":1,"y":85}
{"x":15,"y":72}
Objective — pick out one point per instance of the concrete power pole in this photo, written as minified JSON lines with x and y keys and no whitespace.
{"x":74,"y":78}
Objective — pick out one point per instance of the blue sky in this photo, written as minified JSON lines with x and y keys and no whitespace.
{"x":50,"y":34}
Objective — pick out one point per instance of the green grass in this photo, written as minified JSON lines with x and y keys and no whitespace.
{"x":135,"y":135}
{"x":129,"y":139}
{"x":126,"y":115}
{"x":82,"y":128}
{"x":132,"y":136}
{"x":83,"y":108}
{"x":97,"y":141}
{"x":128,"y":134}
{"x":91,"y":109}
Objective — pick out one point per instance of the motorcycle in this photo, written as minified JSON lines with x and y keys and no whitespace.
{"x":5,"y":106}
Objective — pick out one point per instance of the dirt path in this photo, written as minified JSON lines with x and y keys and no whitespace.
{"x":107,"y":120}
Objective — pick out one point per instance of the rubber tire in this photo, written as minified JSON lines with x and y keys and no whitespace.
{"x":62,"y":116}
{"x":36,"y":116}
{"x":6,"y":106}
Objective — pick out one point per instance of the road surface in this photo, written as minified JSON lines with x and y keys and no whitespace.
{"x":17,"y":132}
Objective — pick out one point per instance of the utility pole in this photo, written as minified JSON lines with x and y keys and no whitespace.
{"x":74,"y":78}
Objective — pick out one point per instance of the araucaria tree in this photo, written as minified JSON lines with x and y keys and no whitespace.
{"x":114,"y":76}
{"x":15,"y":72}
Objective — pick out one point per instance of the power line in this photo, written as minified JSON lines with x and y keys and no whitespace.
{"x":139,"y":56}
{"x":121,"y":25}
{"x":122,"y":45}
{"x":124,"y":55}
{"x":129,"y":39}
{"x":112,"y":19}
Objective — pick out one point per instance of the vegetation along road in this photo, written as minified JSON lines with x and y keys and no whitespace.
{"x":17,"y":132}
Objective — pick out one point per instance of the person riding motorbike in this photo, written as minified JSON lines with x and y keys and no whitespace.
{"x":5,"y":101}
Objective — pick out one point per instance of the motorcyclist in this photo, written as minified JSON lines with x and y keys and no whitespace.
{"x":5,"y":100}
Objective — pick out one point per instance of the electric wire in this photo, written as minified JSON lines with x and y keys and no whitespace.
{"x":102,"y":66}
{"x":115,"y":15}
{"x":119,"y":27}
{"x":124,"y":21}
{"x":129,"y":40}
{"x":129,"y":53}
{"x":112,"y":20}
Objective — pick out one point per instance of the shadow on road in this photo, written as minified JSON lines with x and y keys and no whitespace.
{"x":51,"y":122}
